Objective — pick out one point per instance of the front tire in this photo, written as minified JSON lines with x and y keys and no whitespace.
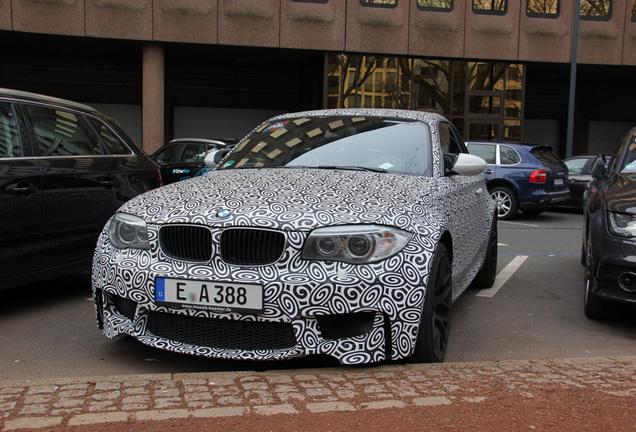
{"x":594,"y":306}
{"x":507,"y":202}
{"x":434,"y":331}
{"x":486,"y":276}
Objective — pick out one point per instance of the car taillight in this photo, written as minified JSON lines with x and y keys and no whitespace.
{"x":539,"y":176}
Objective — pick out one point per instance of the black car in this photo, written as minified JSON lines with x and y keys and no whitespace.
{"x":579,"y":175}
{"x":609,"y":237}
{"x":64,"y":170}
{"x":184,"y":158}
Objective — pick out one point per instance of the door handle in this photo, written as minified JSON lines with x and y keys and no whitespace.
{"x":488,"y":171}
{"x":22,"y":188}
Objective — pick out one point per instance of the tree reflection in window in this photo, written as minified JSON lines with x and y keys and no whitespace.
{"x":497,"y":7}
{"x":596,"y":9}
{"x":543,"y":8}
{"x":379,"y":3}
{"x":435,"y":5}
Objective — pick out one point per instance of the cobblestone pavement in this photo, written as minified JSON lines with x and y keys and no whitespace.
{"x":62,"y":403}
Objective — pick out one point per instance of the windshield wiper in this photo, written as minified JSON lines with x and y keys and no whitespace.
{"x":352,"y":167}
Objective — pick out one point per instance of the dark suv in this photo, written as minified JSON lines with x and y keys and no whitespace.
{"x":609,"y":236}
{"x":64,"y":170}
{"x":522,"y":176}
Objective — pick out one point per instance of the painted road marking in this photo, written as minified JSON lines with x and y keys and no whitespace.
{"x":503,"y":276}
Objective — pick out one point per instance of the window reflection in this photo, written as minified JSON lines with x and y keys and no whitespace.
{"x":486,"y":93}
{"x":379,"y":3}
{"x":596,"y":9}
{"x":498,"y":7}
{"x":543,"y":8}
{"x":441,"y":5}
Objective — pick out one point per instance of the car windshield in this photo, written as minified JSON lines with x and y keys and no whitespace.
{"x":629,"y":163}
{"x":337,"y":142}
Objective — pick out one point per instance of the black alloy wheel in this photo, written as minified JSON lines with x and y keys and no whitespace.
{"x":434,"y":331}
{"x":485,"y":278}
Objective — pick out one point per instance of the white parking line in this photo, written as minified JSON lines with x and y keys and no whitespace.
{"x":503,"y":276}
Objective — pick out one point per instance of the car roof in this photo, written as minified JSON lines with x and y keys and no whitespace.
{"x":512,"y":144}
{"x":424,"y":116}
{"x":197,"y":141}
{"x":20,"y":95}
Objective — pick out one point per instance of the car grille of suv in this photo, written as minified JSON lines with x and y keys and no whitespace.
{"x":242,"y":246}
{"x":186,"y":242}
{"x":222,"y":334}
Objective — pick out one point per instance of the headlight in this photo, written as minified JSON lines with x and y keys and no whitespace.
{"x":127,"y":231}
{"x":355,"y":244}
{"x":622,"y":224}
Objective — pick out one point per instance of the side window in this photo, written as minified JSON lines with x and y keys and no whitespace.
{"x":485,"y":151}
{"x":113,"y":144}
{"x":509,"y":156}
{"x":194,"y":153}
{"x":62,"y":133}
{"x":449,"y":140}
{"x":167,"y":155}
{"x":9,"y":138}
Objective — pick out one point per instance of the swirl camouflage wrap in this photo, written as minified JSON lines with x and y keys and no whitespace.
{"x":225,"y":267}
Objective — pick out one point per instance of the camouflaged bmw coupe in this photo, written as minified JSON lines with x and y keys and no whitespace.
{"x":347,"y":233}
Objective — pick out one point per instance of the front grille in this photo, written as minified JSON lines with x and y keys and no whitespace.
{"x":186,"y":242}
{"x":222,"y":334}
{"x":242,"y":246}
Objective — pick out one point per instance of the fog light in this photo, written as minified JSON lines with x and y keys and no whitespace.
{"x":627,"y":282}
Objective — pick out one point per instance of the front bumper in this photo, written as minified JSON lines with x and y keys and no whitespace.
{"x":357,"y":314}
{"x":615,"y":269}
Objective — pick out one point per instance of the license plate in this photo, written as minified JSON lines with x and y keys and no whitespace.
{"x":558,"y":182}
{"x":205,"y":295}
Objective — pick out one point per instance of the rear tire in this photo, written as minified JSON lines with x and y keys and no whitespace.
{"x":434,"y":331}
{"x":507,"y":202}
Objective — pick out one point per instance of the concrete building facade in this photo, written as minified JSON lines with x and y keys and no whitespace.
{"x":500,"y":69}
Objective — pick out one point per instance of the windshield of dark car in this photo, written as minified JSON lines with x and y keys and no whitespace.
{"x":337,"y":142}
{"x":629,"y":162}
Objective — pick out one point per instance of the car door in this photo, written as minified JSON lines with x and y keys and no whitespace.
{"x":78,"y":183}
{"x":487,"y":152}
{"x":20,"y":198}
{"x":468,"y":197}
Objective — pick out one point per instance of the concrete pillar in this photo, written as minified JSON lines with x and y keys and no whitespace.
{"x":153,"y":96}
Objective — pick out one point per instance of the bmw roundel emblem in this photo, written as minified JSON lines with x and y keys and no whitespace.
{"x":223,"y":213}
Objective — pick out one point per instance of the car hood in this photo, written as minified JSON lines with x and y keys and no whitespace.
{"x":291,"y":199}
{"x":621,"y":195}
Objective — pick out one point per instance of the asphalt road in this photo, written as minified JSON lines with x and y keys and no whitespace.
{"x":534,"y":311}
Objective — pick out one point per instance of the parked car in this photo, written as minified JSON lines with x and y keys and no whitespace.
{"x":184,"y":158}
{"x":579,"y":175}
{"x":64,"y":170}
{"x":522,"y":176}
{"x":609,"y":235}
{"x":346,"y":233}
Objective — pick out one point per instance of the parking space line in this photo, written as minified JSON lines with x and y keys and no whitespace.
{"x":503,"y":276}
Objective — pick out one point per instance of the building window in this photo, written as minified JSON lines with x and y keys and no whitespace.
{"x":495,"y":7}
{"x":379,"y":3}
{"x":542,"y":8}
{"x":596,"y":9}
{"x":436,"y":5}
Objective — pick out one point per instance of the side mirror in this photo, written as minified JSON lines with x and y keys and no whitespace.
{"x":599,"y":169}
{"x":213,"y":157}
{"x":464,"y":164}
